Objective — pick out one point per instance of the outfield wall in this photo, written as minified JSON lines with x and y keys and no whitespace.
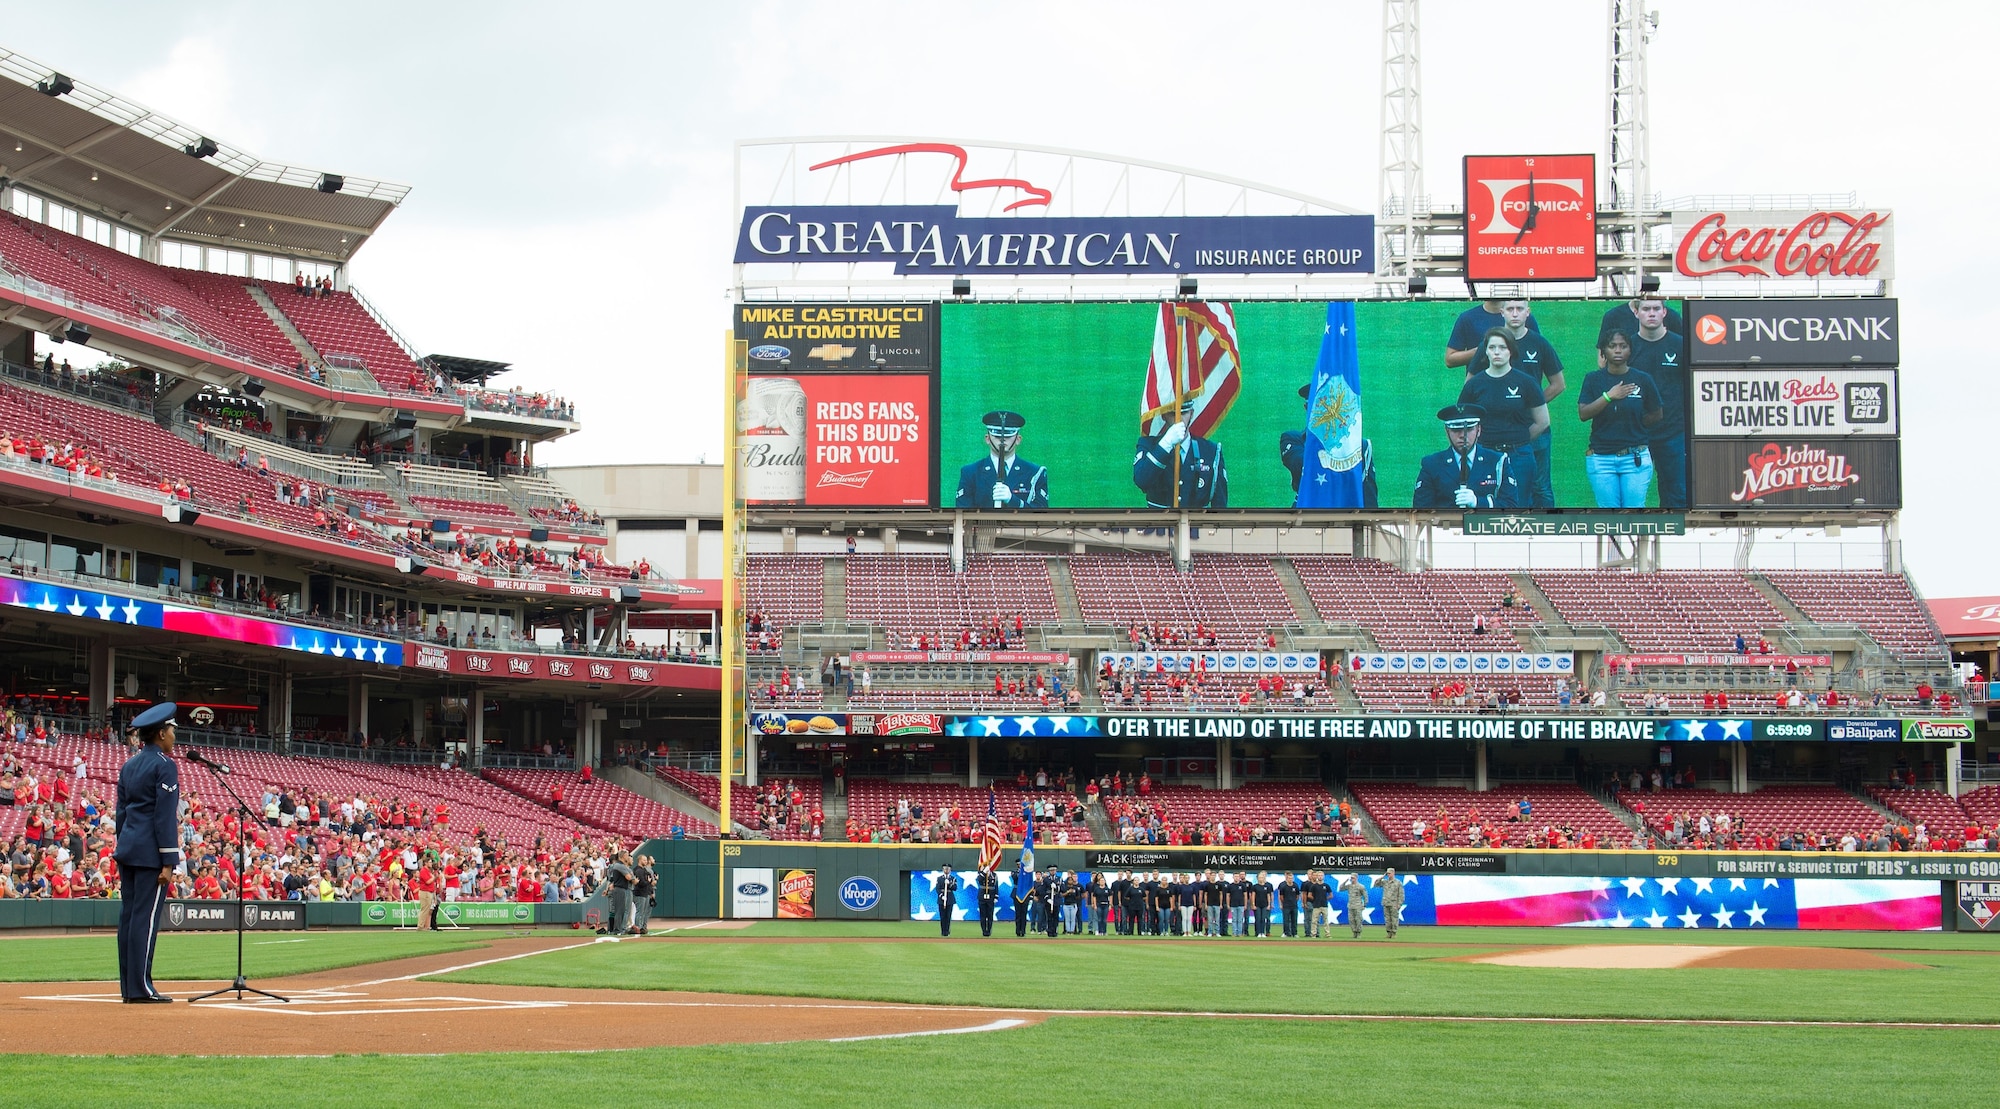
{"x":17,"y":913}
{"x":701,"y":879}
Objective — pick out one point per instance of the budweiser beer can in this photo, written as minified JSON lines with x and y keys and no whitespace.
{"x":771,"y":441}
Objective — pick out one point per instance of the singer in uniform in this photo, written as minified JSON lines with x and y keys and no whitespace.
{"x":946,"y":888}
{"x":149,"y":849}
{"x":1466,"y":475}
{"x":1003,"y":479}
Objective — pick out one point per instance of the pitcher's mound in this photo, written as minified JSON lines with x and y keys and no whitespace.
{"x":1648,"y":956}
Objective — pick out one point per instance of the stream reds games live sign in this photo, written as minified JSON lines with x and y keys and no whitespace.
{"x":1531,"y":217}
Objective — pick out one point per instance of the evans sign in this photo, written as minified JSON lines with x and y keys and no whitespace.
{"x":936,"y":240}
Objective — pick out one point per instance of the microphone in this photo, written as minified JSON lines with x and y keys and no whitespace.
{"x":199,"y":759}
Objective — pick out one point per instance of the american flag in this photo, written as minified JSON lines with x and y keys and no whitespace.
{"x":1196,"y":367}
{"x":989,"y":843}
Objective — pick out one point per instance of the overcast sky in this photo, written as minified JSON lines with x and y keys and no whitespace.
{"x":572,"y":164}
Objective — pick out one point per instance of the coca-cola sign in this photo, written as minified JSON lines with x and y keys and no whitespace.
{"x":1785,"y":245}
{"x":1862,"y":474}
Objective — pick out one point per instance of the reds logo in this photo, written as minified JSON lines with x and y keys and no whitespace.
{"x":1036,"y":195}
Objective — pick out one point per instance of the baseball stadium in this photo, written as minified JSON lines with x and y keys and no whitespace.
{"x":1150,"y":636}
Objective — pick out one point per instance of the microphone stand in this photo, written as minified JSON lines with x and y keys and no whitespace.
{"x":239,"y":987}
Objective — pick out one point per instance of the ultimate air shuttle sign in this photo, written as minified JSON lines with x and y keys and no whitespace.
{"x":936,"y":240}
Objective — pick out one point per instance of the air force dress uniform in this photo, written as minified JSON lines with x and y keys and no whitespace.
{"x":982,"y":483}
{"x":946,"y":888}
{"x":149,"y":848}
{"x":1203,"y":481}
{"x":1478,"y":478}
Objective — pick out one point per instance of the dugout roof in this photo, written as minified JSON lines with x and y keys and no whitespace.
{"x":123,"y":161}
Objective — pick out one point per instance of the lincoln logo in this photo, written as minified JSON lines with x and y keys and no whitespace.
{"x":1777,"y":469}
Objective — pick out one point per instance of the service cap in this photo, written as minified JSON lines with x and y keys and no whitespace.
{"x":1458,"y":416}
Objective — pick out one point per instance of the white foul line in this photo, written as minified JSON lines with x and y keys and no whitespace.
{"x":995,"y":1026}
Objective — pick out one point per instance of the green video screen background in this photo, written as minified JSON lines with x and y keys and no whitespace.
{"x":1076,"y":371}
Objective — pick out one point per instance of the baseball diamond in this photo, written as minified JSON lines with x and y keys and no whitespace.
{"x":1112,"y":623}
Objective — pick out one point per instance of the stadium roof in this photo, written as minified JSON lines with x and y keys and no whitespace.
{"x":126,"y":162}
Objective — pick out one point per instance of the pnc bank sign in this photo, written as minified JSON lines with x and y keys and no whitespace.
{"x":935,"y":240}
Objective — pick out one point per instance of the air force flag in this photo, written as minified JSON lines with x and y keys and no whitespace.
{"x":1334,"y":455}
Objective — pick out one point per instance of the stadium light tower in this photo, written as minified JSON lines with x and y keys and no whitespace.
{"x":1402,"y":153}
{"x":1628,"y":134}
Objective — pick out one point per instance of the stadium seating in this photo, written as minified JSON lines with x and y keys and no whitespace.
{"x":338,"y":325}
{"x":1778,"y":810}
{"x":873,"y":800}
{"x":1431,"y":611}
{"x":1883,"y":605}
{"x":1937,"y":810}
{"x":1983,"y":804}
{"x":911,"y":594}
{"x":788,"y":589}
{"x":1256,"y":804}
{"x":1682,"y":611}
{"x":147,"y":453}
{"x":470,"y":512}
{"x":131,"y":286}
{"x":603,"y":805}
{"x":1238,"y":597}
{"x":1395,"y":805}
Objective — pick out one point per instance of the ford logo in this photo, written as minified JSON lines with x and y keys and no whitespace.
{"x":753,"y":889}
{"x":860,"y":893}
{"x":770,"y":353}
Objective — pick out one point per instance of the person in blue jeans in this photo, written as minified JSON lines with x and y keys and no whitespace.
{"x":1621,"y":405}
{"x":1238,"y":897}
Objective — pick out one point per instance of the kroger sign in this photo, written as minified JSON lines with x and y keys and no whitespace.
{"x":1452,"y":664}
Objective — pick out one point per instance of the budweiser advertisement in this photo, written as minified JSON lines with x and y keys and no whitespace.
{"x":1788,"y":473}
{"x":1790,"y":245}
{"x":1861,"y":331}
{"x":1531,"y":217}
{"x":835,"y":439}
{"x":839,"y":338}
{"x":1739,"y":402}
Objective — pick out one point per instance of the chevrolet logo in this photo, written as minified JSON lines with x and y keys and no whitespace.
{"x":830,"y":352}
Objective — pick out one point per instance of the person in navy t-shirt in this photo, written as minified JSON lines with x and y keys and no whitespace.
{"x":1516,"y":413}
{"x":1537,"y":358}
{"x":1657,"y":349}
{"x":1471,"y":327}
{"x":1622,"y":405}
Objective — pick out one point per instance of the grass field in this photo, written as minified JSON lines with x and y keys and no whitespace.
{"x":212,"y":955}
{"x":1274,"y":976}
{"x":1093,"y":1062}
{"x":1180,"y":1060}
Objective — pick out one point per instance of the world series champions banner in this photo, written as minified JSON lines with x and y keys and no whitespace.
{"x":1303,"y":404}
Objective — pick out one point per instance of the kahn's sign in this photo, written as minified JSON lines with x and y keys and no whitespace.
{"x":1863,"y":331}
{"x":1796,"y":402}
{"x":935,"y":240}
{"x":1786,"y":245}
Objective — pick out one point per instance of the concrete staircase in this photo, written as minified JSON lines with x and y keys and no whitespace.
{"x":1532,"y":593}
{"x":1309,"y":620}
{"x":1064,"y":587}
{"x":1100,"y":825}
{"x":833,"y":602}
{"x":282,"y":322}
{"x":834,"y":807}
{"x":1369,"y":828}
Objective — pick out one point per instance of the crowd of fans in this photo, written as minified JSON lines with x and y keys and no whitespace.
{"x":569,"y":512}
{"x":517,"y":402}
{"x":786,"y":812}
{"x":306,"y":846}
{"x":1141,"y":817}
{"x":1513,"y":826}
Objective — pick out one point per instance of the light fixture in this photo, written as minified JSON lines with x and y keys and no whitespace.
{"x":1418,"y":285}
{"x":1650,"y":283}
{"x":242,"y":223}
{"x":170,"y":207}
{"x":1188,"y":286}
{"x":961,"y":287}
{"x":93,"y":175}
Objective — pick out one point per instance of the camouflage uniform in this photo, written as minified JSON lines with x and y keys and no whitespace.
{"x":1357,"y":902}
{"x":1392,"y":901}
